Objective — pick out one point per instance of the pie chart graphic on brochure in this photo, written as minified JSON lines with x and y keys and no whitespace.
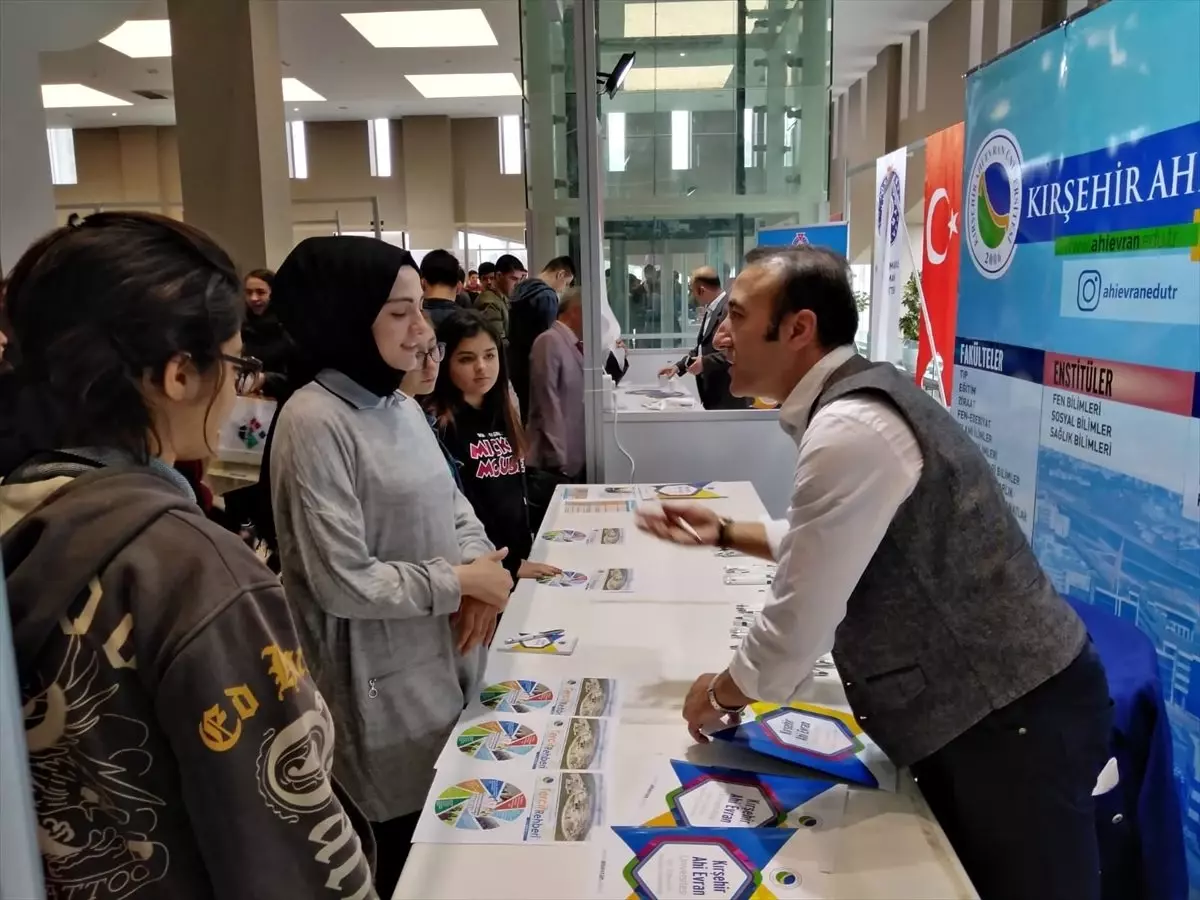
{"x":496,"y":740}
{"x":480,"y":804}
{"x":516,"y":696}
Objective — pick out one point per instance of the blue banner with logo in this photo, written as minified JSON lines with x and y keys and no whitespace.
{"x":1078,"y":353}
{"x":832,"y":235}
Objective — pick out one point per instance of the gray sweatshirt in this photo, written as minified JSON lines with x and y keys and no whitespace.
{"x":370,"y":526}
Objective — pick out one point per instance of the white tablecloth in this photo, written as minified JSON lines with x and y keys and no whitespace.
{"x":890,"y":847}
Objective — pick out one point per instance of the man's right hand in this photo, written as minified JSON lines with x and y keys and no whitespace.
{"x":663,"y":522}
{"x":485,"y":579}
{"x":667,"y":372}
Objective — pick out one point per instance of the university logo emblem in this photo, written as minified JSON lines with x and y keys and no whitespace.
{"x":993,"y":203}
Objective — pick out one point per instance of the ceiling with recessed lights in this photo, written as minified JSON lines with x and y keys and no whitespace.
{"x":362,"y":59}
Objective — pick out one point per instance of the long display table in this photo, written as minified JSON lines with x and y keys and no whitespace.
{"x":673,"y":626}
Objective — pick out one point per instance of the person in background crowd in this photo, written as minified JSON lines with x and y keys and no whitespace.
{"x":480,"y":426}
{"x":461,"y":297}
{"x":707,"y":363}
{"x":394,"y":580}
{"x":556,"y":442}
{"x":264,"y":336}
{"x":474,"y":285}
{"x":533,"y":310}
{"x":419,"y":382}
{"x":487,"y":277}
{"x":493,"y":302}
{"x":164,"y":689}
{"x":439,"y":281}
{"x":958,"y":656}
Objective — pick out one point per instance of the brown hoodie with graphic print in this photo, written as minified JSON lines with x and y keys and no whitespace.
{"x":178,"y":746}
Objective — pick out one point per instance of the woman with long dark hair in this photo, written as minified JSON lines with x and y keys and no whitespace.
{"x":264,"y":335}
{"x":478,"y":423}
{"x":395,"y":582}
{"x":166,"y":697}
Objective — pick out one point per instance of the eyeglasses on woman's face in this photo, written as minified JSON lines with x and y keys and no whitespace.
{"x":434,"y":354}
{"x":246,"y":370}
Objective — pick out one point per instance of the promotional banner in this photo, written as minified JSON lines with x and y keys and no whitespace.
{"x":885,"y":259}
{"x":1077,"y":360}
{"x":834,"y":235}
{"x":940,"y":251}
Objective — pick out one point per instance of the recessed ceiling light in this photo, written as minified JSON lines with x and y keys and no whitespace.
{"x":424,"y":28}
{"x":65,"y":96}
{"x":684,"y":18}
{"x":474,"y":84}
{"x":678,"y":78}
{"x":141,"y":38}
{"x":296,"y":91}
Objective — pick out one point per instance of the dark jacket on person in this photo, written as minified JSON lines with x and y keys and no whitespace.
{"x":494,"y":307}
{"x":264,"y":338}
{"x":712,"y":384}
{"x":492,"y":475}
{"x":533,"y":309}
{"x":167,"y":702}
{"x":439,"y":309}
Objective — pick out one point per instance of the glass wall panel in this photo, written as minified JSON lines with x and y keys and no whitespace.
{"x":721,"y":128}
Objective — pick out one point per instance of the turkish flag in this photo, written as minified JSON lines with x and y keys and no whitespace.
{"x":939,"y":269}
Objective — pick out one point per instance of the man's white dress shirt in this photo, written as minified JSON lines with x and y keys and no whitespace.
{"x":858,"y":462}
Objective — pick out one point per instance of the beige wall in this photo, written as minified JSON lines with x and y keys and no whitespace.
{"x":141,"y":165}
{"x":947,"y":61}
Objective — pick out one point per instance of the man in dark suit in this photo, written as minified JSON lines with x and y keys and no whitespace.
{"x":708,"y":364}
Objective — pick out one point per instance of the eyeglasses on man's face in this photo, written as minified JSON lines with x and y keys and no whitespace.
{"x":434,"y":354}
{"x":246,"y":371}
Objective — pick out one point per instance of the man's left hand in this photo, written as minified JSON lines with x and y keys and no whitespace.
{"x":696,"y":366}
{"x":699,"y":713}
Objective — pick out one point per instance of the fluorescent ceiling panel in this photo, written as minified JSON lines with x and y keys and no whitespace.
{"x":424,"y":28}
{"x":69,"y":96}
{"x":491,"y":84}
{"x":678,"y":78}
{"x":296,"y":91}
{"x":685,"y":18}
{"x":141,"y":38}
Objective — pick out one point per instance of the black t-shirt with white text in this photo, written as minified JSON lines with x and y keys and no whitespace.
{"x":493,"y":478}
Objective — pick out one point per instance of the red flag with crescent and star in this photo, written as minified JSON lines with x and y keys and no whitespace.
{"x":939,"y":269}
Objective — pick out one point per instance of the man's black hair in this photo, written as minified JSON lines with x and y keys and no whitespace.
{"x":473,"y":272}
{"x":440,"y":267}
{"x":560,"y":264}
{"x":486,"y":269}
{"x":507,"y":264}
{"x":811,"y":278}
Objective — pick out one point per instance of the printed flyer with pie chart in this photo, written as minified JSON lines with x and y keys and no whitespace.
{"x":583,"y":696}
{"x":819,"y":737}
{"x":729,"y":863}
{"x":507,"y":806}
{"x":496,"y":744}
{"x":680,"y":794}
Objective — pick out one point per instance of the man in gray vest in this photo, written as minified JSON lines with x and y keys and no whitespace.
{"x":900,"y":553}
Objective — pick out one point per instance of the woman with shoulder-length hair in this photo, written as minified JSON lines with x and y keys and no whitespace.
{"x":395,"y":582}
{"x":177,"y":744}
{"x":477,"y":419}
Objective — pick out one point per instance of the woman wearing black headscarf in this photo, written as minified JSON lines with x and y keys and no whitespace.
{"x":392,"y":576}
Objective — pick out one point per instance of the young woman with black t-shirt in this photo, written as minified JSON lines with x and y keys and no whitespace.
{"x":478,"y":423}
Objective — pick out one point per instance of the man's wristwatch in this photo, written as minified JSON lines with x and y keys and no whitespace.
{"x":723,"y":526}
{"x":716,"y":704}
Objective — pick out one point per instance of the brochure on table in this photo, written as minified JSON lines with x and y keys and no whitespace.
{"x":588,"y":697}
{"x":680,"y":794}
{"x":1077,"y":359}
{"x":506,"y":806}
{"x":819,"y":737}
{"x":730,"y":863}
{"x":496,"y":743}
